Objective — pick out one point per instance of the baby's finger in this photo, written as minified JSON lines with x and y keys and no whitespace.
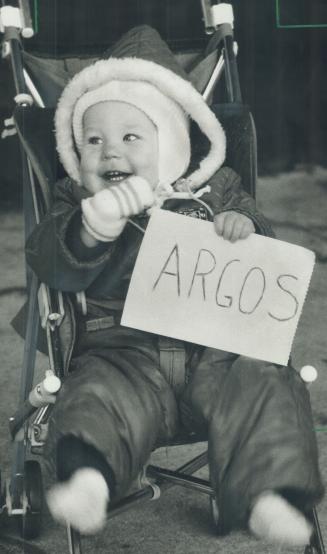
{"x":247,"y":229}
{"x":229,"y":224}
{"x":237,"y":230}
{"x":244,"y":232}
{"x":219,"y":223}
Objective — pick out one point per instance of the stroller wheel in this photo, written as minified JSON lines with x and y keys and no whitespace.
{"x":31,"y":521}
{"x":214,"y":512}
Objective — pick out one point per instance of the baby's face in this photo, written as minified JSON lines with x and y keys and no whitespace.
{"x":119,"y":141}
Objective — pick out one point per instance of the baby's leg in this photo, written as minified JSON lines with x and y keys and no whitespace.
{"x":81,"y":497}
{"x":110,"y":413}
{"x":261,"y":435}
{"x":275,"y":520}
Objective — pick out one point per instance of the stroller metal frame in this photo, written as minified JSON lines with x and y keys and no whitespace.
{"x":23,"y":494}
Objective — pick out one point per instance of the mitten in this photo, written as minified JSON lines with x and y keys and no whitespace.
{"x":105,"y":214}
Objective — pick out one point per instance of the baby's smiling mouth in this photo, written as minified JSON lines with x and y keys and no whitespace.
{"x":115,"y":176}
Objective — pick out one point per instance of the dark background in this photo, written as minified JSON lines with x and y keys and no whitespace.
{"x":282,"y":70}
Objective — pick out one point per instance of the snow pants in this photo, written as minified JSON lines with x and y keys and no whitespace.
{"x":256,"y":416}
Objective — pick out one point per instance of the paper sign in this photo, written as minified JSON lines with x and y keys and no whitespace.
{"x":244,"y":297}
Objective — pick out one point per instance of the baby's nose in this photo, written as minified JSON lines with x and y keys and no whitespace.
{"x":110,"y":150}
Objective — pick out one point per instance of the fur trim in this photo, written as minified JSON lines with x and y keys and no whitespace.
{"x":168,"y":83}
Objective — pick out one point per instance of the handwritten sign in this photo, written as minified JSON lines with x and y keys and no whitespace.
{"x":244,"y":297}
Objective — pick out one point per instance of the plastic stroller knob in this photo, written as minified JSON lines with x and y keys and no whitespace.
{"x":308,"y":373}
{"x":51,"y":384}
{"x":222,"y":14}
{"x":44,"y":392}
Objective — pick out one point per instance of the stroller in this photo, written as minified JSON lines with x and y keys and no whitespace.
{"x":28,"y":426}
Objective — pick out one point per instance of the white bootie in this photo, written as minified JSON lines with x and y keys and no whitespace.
{"x":81,"y":502}
{"x":275,"y":520}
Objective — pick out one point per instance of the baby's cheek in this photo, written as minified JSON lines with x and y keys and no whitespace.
{"x":150,"y":175}
{"x":91,"y":182}
{"x":149,"y":167}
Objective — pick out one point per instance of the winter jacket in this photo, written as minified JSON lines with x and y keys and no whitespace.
{"x":255,"y":415}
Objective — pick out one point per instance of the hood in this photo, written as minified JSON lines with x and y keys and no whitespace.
{"x":141,"y":55}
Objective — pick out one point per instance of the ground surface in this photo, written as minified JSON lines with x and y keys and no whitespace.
{"x":179,"y":522}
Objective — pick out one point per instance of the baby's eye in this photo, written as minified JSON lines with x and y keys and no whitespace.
{"x":130,"y":137}
{"x":94,"y":140}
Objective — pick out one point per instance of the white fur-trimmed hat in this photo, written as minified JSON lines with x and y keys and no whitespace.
{"x":166,"y":97}
{"x":174,"y":149}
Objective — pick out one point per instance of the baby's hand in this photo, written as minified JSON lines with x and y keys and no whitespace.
{"x":105,"y":214}
{"x":233,"y":225}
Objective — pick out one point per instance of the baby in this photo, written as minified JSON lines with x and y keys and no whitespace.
{"x":122,"y":128}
